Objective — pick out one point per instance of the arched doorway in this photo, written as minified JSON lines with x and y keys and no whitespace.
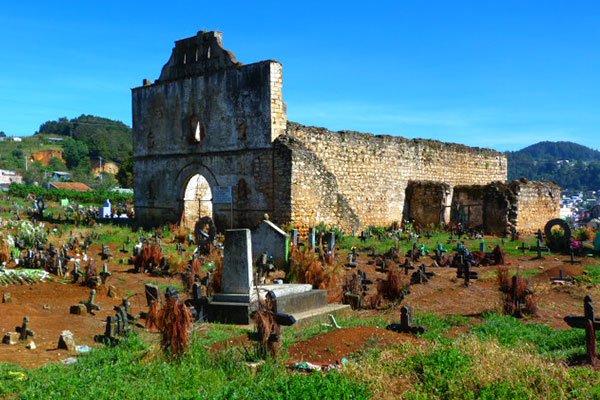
{"x":197,"y":201}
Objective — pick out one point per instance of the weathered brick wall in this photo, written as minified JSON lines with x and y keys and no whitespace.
{"x":537,"y":203}
{"x":354,"y":179}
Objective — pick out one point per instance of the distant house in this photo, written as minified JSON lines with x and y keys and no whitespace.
{"x":122,"y":190}
{"x":58,"y":176}
{"x":16,"y":139}
{"x":55,"y":139}
{"x":7,"y":177}
{"x":77,"y":186}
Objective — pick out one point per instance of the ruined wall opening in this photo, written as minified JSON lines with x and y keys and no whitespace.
{"x":197,"y":201}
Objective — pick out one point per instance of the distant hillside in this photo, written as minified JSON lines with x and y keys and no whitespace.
{"x":81,"y":142}
{"x":569,"y":164}
{"x":111,"y":140}
{"x":560,"y":151}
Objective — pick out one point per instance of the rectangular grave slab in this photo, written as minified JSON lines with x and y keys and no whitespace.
{"x":237,"y":263}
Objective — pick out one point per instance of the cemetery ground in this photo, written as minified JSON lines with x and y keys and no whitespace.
{"x":469,"y":349}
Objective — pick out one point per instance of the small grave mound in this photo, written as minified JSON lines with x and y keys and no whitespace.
{"x":569,"y":271}
{"x":341,"y":343}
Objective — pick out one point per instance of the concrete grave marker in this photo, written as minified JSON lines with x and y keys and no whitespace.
{"x":237,"y":263}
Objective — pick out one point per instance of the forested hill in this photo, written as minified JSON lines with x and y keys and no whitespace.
{"x":569,"y":164}
{"x":111,"y":140}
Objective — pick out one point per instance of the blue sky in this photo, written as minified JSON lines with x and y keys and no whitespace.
{"x":501,"y":74}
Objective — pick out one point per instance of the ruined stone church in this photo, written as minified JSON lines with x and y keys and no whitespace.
{"x":211,"y":138}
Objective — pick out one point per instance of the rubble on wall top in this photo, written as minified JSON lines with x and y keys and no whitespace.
{"x":361,"y":136}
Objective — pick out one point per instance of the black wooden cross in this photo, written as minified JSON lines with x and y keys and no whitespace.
{"x":24,"y":331}
{"x":590,"y":323}
{"x":405,"y":325}
{"x":523,"y":248}
{"x":572,"y":259}
{"x":407,"y":265}
{"x":464,"y":272}
{"x":421,"y":275}
{"x":539,"y":248}
{"x":561,"y":277}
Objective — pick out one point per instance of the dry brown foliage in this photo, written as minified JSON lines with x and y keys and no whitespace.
{"x":503,"y":279}
{"x":216,"y":278}
{"x":305,"y":267}
{"x":174,"y":322}
{"x":519,"y":299}
{"x":392,"y":288}
{"x":267,"y":331}
{"x":149,"y":258}
{"x":177,"y":262}
{"x":180,"y":233}
{"x":91,"y":273}
{"x":4,"y":251}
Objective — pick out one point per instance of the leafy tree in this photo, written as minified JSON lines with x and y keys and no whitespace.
{"x":2,"y":134}
{"x":76,"y":153}
{"x":56,"y":164}
{"x":125,"y":174}
{"x":18,"y":153}
{"x":111,"y":140}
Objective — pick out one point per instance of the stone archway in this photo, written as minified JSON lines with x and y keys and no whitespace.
{"x":197,"y":201}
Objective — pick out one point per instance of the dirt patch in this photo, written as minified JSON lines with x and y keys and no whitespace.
{"x":47,"y":306}
{"x":569,"y":271}
{"x":238,"y":341}
{"x":341,"y":343}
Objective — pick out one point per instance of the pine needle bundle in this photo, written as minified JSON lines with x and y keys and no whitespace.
{"x":174,"y":322}
{"x":392,"y":288}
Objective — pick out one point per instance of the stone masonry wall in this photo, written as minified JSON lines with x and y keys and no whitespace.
{"x":425,"y":202}
{"x":354,"y":179}
{"x":537,"y":203}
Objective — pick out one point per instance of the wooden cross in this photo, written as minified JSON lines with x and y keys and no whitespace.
{"x":590,"y":323}
{"x":561,"y":277}
{"x":539,"y":248}
{"x":405,"y":325}
{"x":407,"y":265}
{"x":572,"y":260}
{"x":464,"y":272}
{"x":24,"y":331}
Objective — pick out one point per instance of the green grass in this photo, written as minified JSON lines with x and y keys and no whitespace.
{"x":592,"y":277}
{"x":129,"y":371}
{"x":500,"y":358}
{"x":554,"y":343}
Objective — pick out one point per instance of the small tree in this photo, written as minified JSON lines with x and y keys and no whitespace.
{"x":75,"y":153}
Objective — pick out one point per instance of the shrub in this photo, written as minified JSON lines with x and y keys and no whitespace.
{"x":392,"y":288}
{"x":174,"y":322}
{"x":149,"y":258}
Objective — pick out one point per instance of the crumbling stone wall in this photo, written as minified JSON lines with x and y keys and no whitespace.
{"x":537,"y":203}
{"x":499,"y":208}
{"x":211,"y":115}
{"x":208,"y":114}
{"x":354,"y":179}
{"x":467,"y":205}
{"x":425,"y":203}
